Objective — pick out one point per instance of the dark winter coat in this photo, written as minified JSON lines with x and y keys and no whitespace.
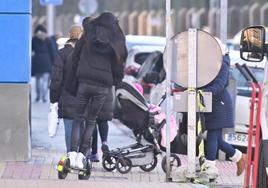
{"x":54,"y":47}
{"x":100,"y":54}
{"x":42,"y":58}
{"x":67,"y":102}
{"x":222,"y":115}
{"x":60,"y":68}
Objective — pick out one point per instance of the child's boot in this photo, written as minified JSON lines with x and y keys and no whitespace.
{"x":241,"y":161}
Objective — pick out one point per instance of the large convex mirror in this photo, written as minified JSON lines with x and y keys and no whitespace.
{"x":252,"y":43}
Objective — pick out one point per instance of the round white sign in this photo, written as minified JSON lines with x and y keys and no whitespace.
{"x":209,"y":59}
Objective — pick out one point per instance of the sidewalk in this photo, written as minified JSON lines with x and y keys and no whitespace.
{"x":40,"y":170}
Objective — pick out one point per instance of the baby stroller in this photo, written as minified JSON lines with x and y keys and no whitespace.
{"x":136,"y":115}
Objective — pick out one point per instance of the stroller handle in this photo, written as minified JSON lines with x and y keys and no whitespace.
{"x":162,"y":99}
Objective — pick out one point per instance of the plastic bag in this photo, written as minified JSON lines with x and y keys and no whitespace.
{"x":53,"y":120}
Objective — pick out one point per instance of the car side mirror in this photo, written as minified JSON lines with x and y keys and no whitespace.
{"x":252,"y":46}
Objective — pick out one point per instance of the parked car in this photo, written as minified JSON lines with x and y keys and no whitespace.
{"x":139,"y":48}
{"x":146,"y":41}
{"x":136,"y":56}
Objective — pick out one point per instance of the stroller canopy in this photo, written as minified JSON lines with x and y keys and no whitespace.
{"x":133,"y":107}
{"x":127,"y":90}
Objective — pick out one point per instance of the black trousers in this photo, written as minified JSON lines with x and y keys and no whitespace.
{"x":90,"y":99}
{"x":103,"y":128}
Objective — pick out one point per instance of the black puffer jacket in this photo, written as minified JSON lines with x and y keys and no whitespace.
{"x":101,"y":51}
{"x":67,"y":103}
{"x":58,"y":93}
{"x":98,"y":69}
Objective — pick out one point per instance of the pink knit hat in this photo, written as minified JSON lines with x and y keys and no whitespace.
{"x":139,"y":88}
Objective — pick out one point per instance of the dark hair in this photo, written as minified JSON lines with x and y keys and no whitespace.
{"x":86,"y":20}
{"x":106,"y":26}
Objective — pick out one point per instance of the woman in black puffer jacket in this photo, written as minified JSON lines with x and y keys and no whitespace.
{"x":100,"y":66}
{"x":58,"y":94}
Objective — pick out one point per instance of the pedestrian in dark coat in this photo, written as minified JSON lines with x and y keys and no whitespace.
{"x":222,"y":116}
{"x":100,"y":66}
{"x":58,"y":94}
{"x":41,"y":61}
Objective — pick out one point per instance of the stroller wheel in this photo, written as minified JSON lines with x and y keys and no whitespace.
{"x":175,"y":162}
{"x":62,"y":167}
{"x":149,"y":167}
{"x":123,"y":165}
{"x":109,"y":163}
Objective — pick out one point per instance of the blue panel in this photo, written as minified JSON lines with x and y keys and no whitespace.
{"x":15,"y":49}
{"x":16,"y":6}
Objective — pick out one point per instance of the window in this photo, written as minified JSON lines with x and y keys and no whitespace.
{"x":140,"y":57}
{"x":243,"y":86}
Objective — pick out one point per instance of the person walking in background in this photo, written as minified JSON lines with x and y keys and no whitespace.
{"x":60,"y":68}
{"x":100,"y":66}
{"x":41,"y":61}
{"x":222,"y":116}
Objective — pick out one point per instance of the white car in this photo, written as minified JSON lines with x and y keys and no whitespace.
{"x":138,"y":54}
{"x":143,"y":40}
{"x":139,"y":48}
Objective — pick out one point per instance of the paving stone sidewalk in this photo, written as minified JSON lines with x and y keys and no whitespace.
{"x":40,"y":170}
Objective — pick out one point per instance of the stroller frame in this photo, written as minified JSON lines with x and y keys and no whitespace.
{"x":138,"y":154}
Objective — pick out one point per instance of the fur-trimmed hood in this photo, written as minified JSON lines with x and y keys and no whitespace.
{"x":41,"y":35}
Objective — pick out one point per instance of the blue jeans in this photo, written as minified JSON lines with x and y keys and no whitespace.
{"x":68,"y":133}
{"x":215,"y":142}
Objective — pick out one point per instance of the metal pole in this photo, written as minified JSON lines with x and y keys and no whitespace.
{"x":191,"y":129}
{"x":168,"y":76}
{"x":223,"y":21}
{"x":223,"y":38}
{"x":50,"y":19}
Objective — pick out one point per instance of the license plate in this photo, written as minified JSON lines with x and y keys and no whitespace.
{"x":237,"y":139}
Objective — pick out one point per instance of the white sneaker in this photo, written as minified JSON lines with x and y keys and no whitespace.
{"x":211,"y":170}
{"x":80,"y":159}
{"x":72,"y":157}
